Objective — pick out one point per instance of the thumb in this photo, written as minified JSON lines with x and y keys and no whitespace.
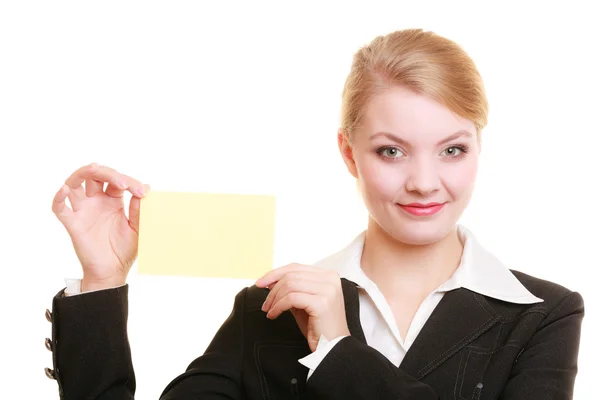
{"x":134,"y":210}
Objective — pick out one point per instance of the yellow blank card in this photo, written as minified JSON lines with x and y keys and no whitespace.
{"x":205,"y":234}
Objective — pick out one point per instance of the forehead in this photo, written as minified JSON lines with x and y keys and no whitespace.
{"x":411,"y":116}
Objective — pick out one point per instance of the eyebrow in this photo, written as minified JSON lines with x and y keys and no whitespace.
{"x":401,"y":141}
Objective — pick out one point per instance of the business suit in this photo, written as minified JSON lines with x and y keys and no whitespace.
{"x":472,"y":347}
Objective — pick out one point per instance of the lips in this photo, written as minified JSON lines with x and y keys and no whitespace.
{"x":422,"y":210}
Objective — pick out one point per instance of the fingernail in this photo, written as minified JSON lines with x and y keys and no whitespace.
{"x":141,"y":192}
{"x":263,"y":306}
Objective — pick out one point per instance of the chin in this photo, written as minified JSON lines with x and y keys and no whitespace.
{"x":417,"y":233}
{"x":418,"y":238}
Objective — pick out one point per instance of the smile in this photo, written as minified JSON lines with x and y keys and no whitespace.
{"x":422,"y":210}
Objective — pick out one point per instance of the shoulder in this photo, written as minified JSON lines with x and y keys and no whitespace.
{"x":555,"y":296}
{"x":250,"y":298}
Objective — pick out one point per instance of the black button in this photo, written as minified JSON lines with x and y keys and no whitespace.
{"x":49,"y":373}
{"x":48,"y":344}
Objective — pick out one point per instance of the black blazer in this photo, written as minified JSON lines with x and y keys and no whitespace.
{"x":472,"y":347}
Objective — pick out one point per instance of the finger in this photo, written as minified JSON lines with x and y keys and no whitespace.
{"x":59,"y":208}
{"x":80,"y":175}
{"x":297,"y":300}
{"x":276,"y":274}
{"x":114,"y":191}
{"x":135,"y":187}
{"x":75,"y":181}
{"x":275,"y":288}
{"x":305,"y":284}
{"x":76,"y":192}
{"x":93,"y":187}
{"x":301,"y":318}
{"x":134,"y":211}
{"x":98,"y":173}
{"x":76,"y":197}
{"x":292,"y":281}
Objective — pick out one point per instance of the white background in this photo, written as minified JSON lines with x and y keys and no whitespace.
{"x":244,"y":97}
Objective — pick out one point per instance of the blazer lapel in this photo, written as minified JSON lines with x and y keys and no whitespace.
{"x":459,"y":318}
{"x":352,"y":307}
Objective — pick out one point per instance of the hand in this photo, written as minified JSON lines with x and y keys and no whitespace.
{"x":314,"y":297}
{"x":105,"y":241}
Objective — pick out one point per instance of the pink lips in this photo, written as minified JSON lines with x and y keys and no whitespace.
{"x":422,"y":210}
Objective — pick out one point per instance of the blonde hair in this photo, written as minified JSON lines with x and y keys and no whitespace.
{"x":424,"y":62}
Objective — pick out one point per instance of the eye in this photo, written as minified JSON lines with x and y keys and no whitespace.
{"x":455,"y":151}
{"x":390,"y":152}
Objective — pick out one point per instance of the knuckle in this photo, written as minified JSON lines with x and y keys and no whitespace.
{"x":89,"y":170}
{"x":294,"y":297}
{"x":322,"y":303}
{"x":292,"y":276}
{"x":287,"y":284}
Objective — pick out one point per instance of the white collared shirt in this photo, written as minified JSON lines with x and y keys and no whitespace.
{"x":478,"y":271}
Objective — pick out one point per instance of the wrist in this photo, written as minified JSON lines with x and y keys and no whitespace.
{"x":89,"y":284}
{"x":334,"y":334}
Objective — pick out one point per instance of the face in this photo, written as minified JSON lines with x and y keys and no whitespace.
{"x":408,"y":150}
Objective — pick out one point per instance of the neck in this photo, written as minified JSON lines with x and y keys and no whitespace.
{"x":397,"y":267}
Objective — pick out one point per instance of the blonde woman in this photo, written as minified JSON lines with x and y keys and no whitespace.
{"x":413,"y":308}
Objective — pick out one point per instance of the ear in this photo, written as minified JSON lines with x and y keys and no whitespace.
{"x":346,"y":152}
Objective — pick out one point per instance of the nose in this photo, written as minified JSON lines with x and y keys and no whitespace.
{"x":423,"y":178}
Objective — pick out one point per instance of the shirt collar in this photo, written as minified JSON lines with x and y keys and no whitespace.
{"x":479,"y":270}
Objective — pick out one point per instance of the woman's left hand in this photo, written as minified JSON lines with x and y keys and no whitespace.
{"x":313,"y":295}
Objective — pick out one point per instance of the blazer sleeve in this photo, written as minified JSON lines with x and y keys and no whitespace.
{"x":353,"y":370}
{"x":547,"y":366}
{"x":92,"y":357}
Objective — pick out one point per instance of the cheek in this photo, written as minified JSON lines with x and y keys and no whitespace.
{"x":460,"y":181}
{"x":379,"y":179}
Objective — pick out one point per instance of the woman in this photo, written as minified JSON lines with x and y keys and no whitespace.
{"x":413,"y":308}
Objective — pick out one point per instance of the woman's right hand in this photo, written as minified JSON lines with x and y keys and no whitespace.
{"x":105,"y":241}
